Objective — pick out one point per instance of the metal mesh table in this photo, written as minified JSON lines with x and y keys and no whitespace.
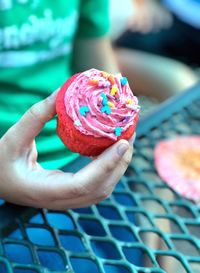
{"x":143,"y":227}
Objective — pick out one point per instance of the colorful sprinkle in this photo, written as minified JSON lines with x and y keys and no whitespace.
{"x":106,"y":84}
{"x":106,"y":109}
{"x":110,"y":97}
{"x":114,"y":90}
{"x":111,"y":104}
{"x":105,"y":100}
{"x":105,"y":74}
{"x":123,"y":81}
{"x":77,"y":123}
{"x":126,"y":119}
{"x":111,"y":79}
{"x":132,"y":107}
{"x":93,"y":82}
{"x":84,"y":110}
{"x":103,"y":95}
{"x":118,"y":131}
{"x":129,"y":101}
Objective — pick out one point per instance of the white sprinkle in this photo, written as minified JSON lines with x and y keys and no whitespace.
{"x":77,"y":123}
{"x":132,"y":107}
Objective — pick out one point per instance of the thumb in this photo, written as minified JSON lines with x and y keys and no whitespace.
{"x":32,"y":122}
{"x":111,"y":163}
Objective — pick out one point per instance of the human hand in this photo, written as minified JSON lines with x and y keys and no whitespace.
{"x":23,"y":181}
{"x":149,"y":16}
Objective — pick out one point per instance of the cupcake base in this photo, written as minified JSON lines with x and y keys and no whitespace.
{"x":76,"y":141}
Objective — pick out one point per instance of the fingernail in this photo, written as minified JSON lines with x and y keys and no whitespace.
{"x":122,"y":148}
{"x":132,"y":139}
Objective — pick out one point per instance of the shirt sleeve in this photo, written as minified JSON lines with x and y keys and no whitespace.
{"x":94,"y":18}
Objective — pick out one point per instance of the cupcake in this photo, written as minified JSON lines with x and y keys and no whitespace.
{"x":95,"y":109}
{"x":178,"y":164}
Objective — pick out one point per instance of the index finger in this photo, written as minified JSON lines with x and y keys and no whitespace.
{"x":32,"y":122}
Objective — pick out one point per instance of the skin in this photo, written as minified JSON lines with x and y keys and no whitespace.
{"x":23,"y":181}
{"x":154,"y":76}
{"x":150,"y":16}
{"x":94,"y":53}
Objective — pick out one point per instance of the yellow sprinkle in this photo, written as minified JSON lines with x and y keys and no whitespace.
{"x":114,"y":90}
{"x":129,"y":101}
{"x":111,"y":104}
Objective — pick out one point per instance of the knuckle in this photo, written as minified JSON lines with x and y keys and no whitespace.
{"x":47,"y":109}
{"x":108,"y":167}
{"x":8,"y":146}
{"x":104,"y":194}
{"x":40,"y":111}
{"x":33,"y":112}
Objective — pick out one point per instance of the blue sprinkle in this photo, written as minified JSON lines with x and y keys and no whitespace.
{"x":103,"y":95}
{"x":123,"y":81}
{"x":106,"y":109}
{"x":84,"y":110}
{"x":105,"y":100}
{"x":118,"y":131}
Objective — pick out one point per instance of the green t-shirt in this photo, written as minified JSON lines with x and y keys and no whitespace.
{"x":36,"y":43}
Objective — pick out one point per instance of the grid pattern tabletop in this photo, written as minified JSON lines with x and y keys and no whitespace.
{"x":143,"y":227}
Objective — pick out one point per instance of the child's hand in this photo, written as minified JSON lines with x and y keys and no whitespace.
{"x":23,"y":181}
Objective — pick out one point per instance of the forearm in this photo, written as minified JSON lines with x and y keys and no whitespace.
{"x":94,"y":53}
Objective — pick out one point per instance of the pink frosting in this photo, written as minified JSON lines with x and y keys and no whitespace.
{"x":82,"y":93}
